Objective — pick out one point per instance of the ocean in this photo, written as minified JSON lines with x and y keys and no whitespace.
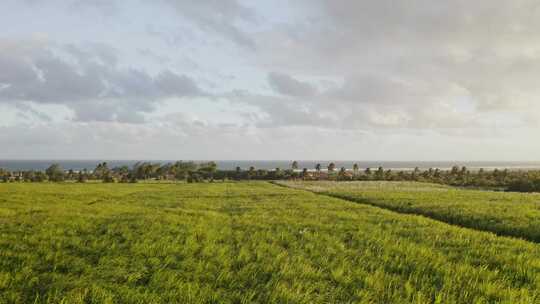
{"x":14,"y":165}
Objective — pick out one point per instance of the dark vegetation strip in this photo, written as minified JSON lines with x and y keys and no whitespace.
{"x":452,"y":220}
{"x":455,"y":220}
{"x":194,"y":172}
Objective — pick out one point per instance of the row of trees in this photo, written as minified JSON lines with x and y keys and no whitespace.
{"x":526,"y":181}
{"x":517,"y":180}
{"x":186,"y":171}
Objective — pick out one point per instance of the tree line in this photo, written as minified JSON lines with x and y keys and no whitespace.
{"x":188,"y":171}
{"x":180,"y":171}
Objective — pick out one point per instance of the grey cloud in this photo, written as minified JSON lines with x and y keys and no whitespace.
{"x":459,"y":22}
{"x":160,"y":59}
{"x":366,"y":102}
{"x":127,"y":141}
{"x":107,"y":7}
{"x":177,"y":85}
{"x":219,"y":16}
{"x":287,"y":85}
{"x":86,"y":80}
{"x":223,"y":18}
{"x":93,"y":53}
{"x":27,"y":111}
{"x":375,"y":89}
{"x":215,"y":19}
{"x":397,"y":59}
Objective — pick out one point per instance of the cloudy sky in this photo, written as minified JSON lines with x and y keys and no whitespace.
{"x":306,"y":79}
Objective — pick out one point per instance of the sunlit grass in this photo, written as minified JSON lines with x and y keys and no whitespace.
{"x":243,"y":243}
{"x":504,"y":213}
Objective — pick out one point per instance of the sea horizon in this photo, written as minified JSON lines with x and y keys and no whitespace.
{"x":80,"y":164}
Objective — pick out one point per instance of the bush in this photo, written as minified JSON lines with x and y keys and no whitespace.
{"x":109,"y":179}
{"x":55,"y":173}
{"x":82,"y":178}
{"x":524,"y":185}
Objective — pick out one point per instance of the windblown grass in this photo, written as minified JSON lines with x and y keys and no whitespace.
{"x":503,"y":213}
{"x":243,"y":243}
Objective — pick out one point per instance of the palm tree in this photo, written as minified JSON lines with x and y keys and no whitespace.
{"x":82,"y":177}
{"x":277,"y":173}
{"x":294,"y":165}
{"x":379,"y":175}
{"x":55,"y":173}
{"x":331,"y":167}
{"x":355,"y":168}
{"x":318,"y":169}
{"x":342,"y":172}
{"x":208,"y":169}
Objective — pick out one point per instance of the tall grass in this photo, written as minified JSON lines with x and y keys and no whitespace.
{"x":503,"y":213}
{"x":243,"y":243}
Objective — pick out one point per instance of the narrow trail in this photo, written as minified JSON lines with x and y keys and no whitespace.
{"x":428,"y":215}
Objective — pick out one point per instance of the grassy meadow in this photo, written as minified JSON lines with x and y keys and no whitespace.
{"x":503,"y":213}
{"x":250,"y":242}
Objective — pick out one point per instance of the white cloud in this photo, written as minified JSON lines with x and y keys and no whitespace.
{"x":373,"y":75}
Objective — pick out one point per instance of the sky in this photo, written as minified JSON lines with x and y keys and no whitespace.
{"x":278,"y":80}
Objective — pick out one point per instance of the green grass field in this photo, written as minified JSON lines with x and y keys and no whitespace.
{"x":245,"y":243}
{"x":504,"y":213}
